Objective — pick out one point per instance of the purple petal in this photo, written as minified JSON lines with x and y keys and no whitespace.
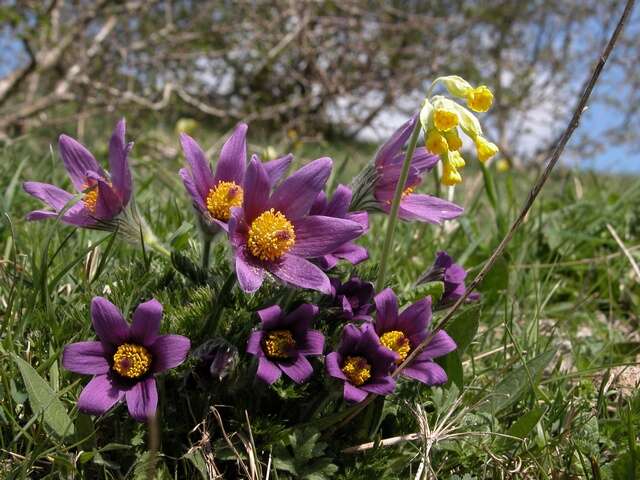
{"x":300,"y":319}
{"x":313,"y":343}
{"x":317,"y":235}
{"x":53,"y":196}
{"x":423,"y":160}
{"x":387,"y":308}
{"x":40,"y":215}
{"x":361,"y":217}
{"x":297,"y":193}
{"x":426,"y":372}
{"x":89,"y":358}
{"x":253,"y":344}
{"x":142,"y":399}
{"x":440,"y":344}
{"x":396,"y":142}
{"x":319,"y":204}
{"x":233,"y":157}
{"x":146,"y":322}
{"x":276,"y":168}
{"x":108,"y":204}
{"x":455,"y":274}
{"x":78,"y":215}
{"x":169,"y":351}
{"x":190,"y":186}
{"x":332,"y":364}
{"x":78,"y":161}
{"x":201,"y":173}
{"x":271,"y":317}
{"x":250,"y":275}
{"x":339,"y":204}
{"x":108,"y":322}
{"x":380,"y":386}
{"x":351,"y":336}
{"x":256,"y":190}
{"x":352,"y":253}
{"x":268,"y":371}
{"x":299,"y":371}
{"x":301,"y":273}
{"x":443,"y":260}
{"x":100,"y":394}
{"x":119,"y":163}
{"x":353,"y":394}
{"x":416,"y":317}
{"x":428,"y":209}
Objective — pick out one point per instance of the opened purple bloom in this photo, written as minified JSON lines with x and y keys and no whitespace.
{"x":413,"y":206}
{"x":274,"y":232}
{"x":104,"y":196}
{"x":362,"y":363}
{"x":452,"y":275}
{"x":403,"y":332}
{"x":284,"y":342}
{"x":338,"y":207}
{"x":214,"y":194}
{"x":354,"y":297}
{"x":125,"y":359}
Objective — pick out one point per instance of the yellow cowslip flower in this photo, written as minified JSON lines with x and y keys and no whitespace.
{"x":479,"y":99}
{"x":453,"y":139}
{"x":456,"y":160}
{"x":485,"y":148}
{"x":502,"y":165}
{"x":445,"y":119}
{"x":450,"y":174}
{"x":436,"y":143}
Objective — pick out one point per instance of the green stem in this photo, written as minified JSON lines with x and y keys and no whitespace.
{"x":395,"y":205}
{"x":206,"y":251}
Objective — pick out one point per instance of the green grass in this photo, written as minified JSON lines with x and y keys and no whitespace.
{"x":539,"y":391}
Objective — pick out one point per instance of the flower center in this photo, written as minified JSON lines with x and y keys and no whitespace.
{"x":131,"y":360}
{"x":222,"y":198}
{"x":90,"y":197}
{"x":357,"y":370}
{"x":271,"y":235}
{"x":405,"y":192}
{"x":279,"y":344}
{"x":397,"y":341}
{"x":444,"y":119}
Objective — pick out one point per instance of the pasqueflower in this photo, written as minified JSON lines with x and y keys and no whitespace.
{"x":125,"y":359}
{"x":354,"y":297}
{"x":452,"y":275}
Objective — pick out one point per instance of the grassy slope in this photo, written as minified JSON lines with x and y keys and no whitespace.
{"x":563,"y":286}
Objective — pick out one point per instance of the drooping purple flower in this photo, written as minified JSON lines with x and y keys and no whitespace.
{"x":274,"y":233}
{"x":452,"y":275}
{"x":362,"y":363}
{"x":338,"y":207}
{"x":403,"y":332}
{"x":125,"y":359}
{"x":104,"y":195}
{"x":214,"y":194}
{"x":354,"y":297}
{"x":284,"y":342}
{"x":413,"y":206}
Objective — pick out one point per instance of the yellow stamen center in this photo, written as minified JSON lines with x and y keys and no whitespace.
{"x":444,"y":119}
{"x":357,"y":370}
{"x":405,"y":192}
{"x":90,"y":197}
{"x":278,"y":344}
{"x":131,"y":360}
{"x":397,"y":341}
{"x":271,"y":235}
{"x":222,"y":198}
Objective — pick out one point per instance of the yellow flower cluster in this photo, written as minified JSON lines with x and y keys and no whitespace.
{"x":442,"y":118}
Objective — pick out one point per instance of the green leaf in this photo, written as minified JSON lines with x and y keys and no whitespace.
{"x":433,"y":289}
{"x":516,"y":383}
{"x":522,"y":427}
{"x":452,"y":364}
{"x":44,"y":400}
{"x":463,"y":328}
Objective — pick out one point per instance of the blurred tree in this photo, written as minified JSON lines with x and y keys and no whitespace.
{"x":316,"y":67}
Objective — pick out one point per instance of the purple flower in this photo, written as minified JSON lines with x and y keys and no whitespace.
{"x":354,"y":297}
{"x":274,"y":232}
{"x":125,"y":359}
{"x":338,"y":207}
{"x":404,"y":332}
{"x":104,"y":196}
{"x":214,"y":194}
{"x":452,"y":275}
{"x":413,"y":206}
{"x":362,"y":363}
{"x":284,"y":342}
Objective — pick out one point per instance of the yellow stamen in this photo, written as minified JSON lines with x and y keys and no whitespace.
{"x":278,"y":344}
{"x":445,"y":119}
{"x":405,"y":192}
{"x":90,"y":198}
{"x":397,"y":341}
{"x":131,"y":360}
{"x":222,"y":198}
{"x":271,"y":235}
{"x":357,"y":370}
{"x":479,"y":99}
